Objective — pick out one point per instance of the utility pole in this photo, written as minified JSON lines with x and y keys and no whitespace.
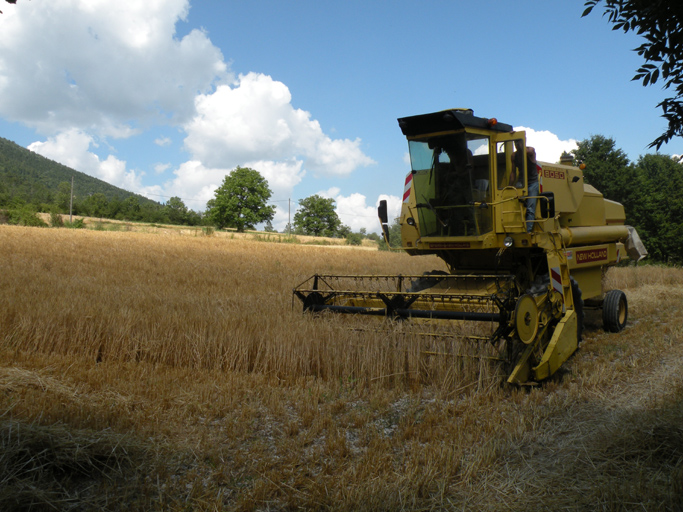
{"x":71,"y":200}
{"x":289,"y":217}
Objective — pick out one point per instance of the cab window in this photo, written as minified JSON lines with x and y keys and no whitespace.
{"x":510,"y":165}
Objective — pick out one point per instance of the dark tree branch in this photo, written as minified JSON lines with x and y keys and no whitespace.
{"x":659,"y":22}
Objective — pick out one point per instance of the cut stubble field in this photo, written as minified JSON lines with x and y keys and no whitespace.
{"x":149,"y":372}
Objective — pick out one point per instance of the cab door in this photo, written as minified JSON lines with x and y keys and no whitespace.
{"x":510,"y":179}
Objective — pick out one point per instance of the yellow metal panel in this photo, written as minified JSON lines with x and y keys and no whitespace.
{"x":558,"y":179}
{"x":591,"y":212}
{"x":562,"y":345}
{"x":589,"y":280}
{"x":614,"y":212}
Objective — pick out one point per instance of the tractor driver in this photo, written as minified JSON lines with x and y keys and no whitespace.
{"x":457,"y":185}
{"x":532,"y":179}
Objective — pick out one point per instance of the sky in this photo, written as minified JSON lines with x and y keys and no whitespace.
{"x":165,"y":97}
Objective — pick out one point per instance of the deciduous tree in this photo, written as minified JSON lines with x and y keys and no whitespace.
{"x":316,"y":216}
{"x":607,"y":168}
{"x":176,"y":211}
{"x":658,"y":209}
{"x":241,"y":201}
{"x":650,"y":190}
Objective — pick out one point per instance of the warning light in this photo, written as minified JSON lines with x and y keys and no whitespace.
{"x":493,"y":122}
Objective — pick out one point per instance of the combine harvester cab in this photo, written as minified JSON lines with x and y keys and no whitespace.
{"x":465,"y":200}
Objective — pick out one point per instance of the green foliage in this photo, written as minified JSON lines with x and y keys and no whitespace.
{"x":176,"y":211}
{"x":28,"y":178}
{"x":658,"y":210}
{"x":75,"y":224}
{"x":607,"y":168}
{"x":25,"y":215}
{"x":354,"y":239}
{"x":95,"y":205}
{"x":660,"y":24}
{"x":344,"y":231}
{"x":63,"y":197}
{"x":35,"y":179}
{"x":316,"y":217}
{"x":56,"y":220}
{"x":241,"y":201}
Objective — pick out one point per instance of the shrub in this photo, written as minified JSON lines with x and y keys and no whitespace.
{"x":354,"y":239}
{"x":26,"y":216}
{"x":76,"y":224}
{"x":56,"y":220}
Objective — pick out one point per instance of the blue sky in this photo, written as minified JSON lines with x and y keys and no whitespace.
{"x":164,"y":98}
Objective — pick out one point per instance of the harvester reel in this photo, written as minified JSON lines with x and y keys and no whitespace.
{"x":526,"y":319}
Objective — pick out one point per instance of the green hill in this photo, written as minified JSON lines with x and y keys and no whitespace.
{"x":28,"y":177}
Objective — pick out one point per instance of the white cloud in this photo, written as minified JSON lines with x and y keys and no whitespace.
{"x":194,"y":183}
{"x":548,"y":146}
{"x":254,"y":120}
{"x":330,"y":193}
{"x":72,"y":148}
{"x":282,"y":176}
{"x":354,"y":211}
{"x":81,"y":71}
{"x":101,"y":66}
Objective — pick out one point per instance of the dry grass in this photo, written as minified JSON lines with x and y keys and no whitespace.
{"x":148,"y":372}
{"x":98,"y":224}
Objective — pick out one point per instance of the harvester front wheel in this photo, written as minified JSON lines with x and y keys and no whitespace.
{"x":614,"y":311}
{"x":526,"y":319}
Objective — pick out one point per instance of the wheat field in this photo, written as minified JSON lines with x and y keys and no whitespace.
{"x":157,"y":371}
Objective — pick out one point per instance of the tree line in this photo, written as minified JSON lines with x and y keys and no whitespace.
{"x":650,"y":189}
{"x":18,"y":210}
{"x":241,"y":202}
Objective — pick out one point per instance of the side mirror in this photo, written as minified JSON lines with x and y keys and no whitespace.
{"x":382,"y":212}
{"x":385,"y":231}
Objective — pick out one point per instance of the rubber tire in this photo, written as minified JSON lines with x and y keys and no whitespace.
{"x":578,"y":308}
{"x":614,"y":311}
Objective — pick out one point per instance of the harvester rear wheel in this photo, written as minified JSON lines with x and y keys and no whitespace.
{"x":614,"y":311}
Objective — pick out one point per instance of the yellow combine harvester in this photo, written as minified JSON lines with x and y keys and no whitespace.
{"x":526,"y":244}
